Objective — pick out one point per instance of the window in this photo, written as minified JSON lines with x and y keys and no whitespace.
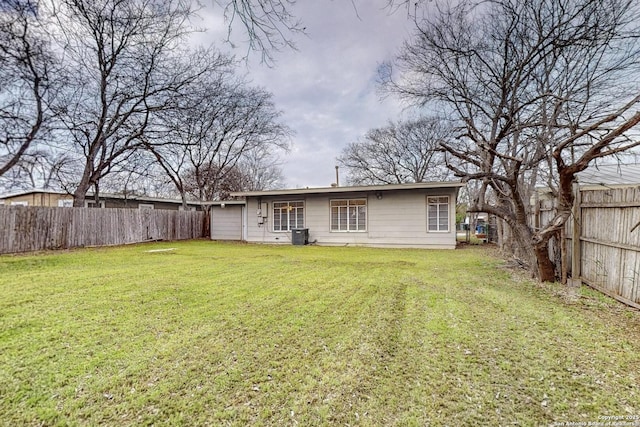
{"x":65,"y":203}
{"x":145,"y":206}
{"x":288,"y":215}
{"x":20,"y":203}
{"x":349,"y":215}
{"x":438,"y":213}
{"x":92,"y":204}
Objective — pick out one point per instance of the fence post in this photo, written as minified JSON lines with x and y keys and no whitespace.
{"x":576,"y":256}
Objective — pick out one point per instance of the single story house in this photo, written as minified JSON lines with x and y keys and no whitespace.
{"x":53,"y":198}
{"x":417,"y":215}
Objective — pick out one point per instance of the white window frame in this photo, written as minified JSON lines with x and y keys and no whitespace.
{"x":437,"y":202}
{"x":146,"y":206}
{"x":65,"y":203}
{"x":88,"y":202}
{"x":277,"y":208}
{"x":20,"y":203}
{"x":352,"y":206}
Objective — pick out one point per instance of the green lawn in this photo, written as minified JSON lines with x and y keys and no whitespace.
{"x":232,"y":334}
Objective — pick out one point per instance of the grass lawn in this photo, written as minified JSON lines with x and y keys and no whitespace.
{"x":232,"y":334}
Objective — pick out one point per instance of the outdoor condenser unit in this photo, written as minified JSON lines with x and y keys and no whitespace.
{"x":300,"y":236}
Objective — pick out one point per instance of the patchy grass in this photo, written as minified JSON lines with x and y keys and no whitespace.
{"x":461,"y":237}
{"x":232,"y":334}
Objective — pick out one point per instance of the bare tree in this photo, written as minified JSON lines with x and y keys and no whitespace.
{"x":397,"y":153}
{"x":25,"y":80}
{"x":38,"y":168}
{"x":262,"y":169}
{"x":539,"y":88}
{"x":211,"y":183}
{"x":256,"y":170}
{"x":128,"y":62}
{"x":209,"y":135}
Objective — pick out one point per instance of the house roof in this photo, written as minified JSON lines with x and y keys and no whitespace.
{"x":102,"y":195}
{"x":26,"y":192}
{"x":145,"y":198}
{"x":225,"y":202}
{"x":338,"y":190}
{"x":615,"y":174}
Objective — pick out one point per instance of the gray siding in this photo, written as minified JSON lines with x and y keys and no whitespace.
{"x":226,"y":223}
{"x":399,"y":219}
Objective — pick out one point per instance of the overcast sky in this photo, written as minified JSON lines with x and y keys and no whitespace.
{"x":327,"y":87}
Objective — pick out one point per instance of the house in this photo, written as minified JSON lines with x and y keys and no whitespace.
{"x":61,"y":199}
{"x":418,"y":215}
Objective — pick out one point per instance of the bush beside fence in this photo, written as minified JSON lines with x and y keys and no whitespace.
{"x":26,"y":229}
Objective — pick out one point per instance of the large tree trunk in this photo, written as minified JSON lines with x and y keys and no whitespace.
{"x":545,"y":266}
{"x":80,"y":194}
{"x":521,"y":248}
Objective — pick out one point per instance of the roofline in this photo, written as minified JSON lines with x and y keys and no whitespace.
{"x":225,"y":202}
{"x":334,"y":190}
{"x":31,"y":191}
{"x":144,"y":198}
{"x":102,"y":195}
{"x":604,"y":186}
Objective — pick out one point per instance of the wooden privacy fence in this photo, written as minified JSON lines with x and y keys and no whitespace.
{"x":25,"y":229}
{"x":607,"y":224}
{"x":601,"y":242}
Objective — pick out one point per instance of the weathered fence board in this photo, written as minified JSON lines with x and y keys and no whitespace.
{"x":610,"y":241}
{"x":25,"y":229}
{"x":604,"y":249}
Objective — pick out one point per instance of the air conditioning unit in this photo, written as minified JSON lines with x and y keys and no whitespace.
{"x":300,"y":236}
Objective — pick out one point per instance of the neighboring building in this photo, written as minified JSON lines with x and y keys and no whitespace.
{"x":420,"y":215}
{"x":614,"y":174}
{"x":60,"y":199}
{"x":37,"y":198}
{"x":595,"y":176}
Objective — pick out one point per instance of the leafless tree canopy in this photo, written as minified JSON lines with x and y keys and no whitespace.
{"x":269,"y":24}
{"x":215,"y":131}
{"x":125,"y":59}
{"x":124,"y":64}
{"x":25,"y":80}
{"x":262,"y":168}
{"x":37,"y":168}
{"x":539,"y":89}
{"x":397,"y":153}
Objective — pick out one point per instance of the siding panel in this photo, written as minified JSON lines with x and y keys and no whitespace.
{"x":398,"y":219}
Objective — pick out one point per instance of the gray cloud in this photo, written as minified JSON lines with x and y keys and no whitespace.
{"x":326,"y":87}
